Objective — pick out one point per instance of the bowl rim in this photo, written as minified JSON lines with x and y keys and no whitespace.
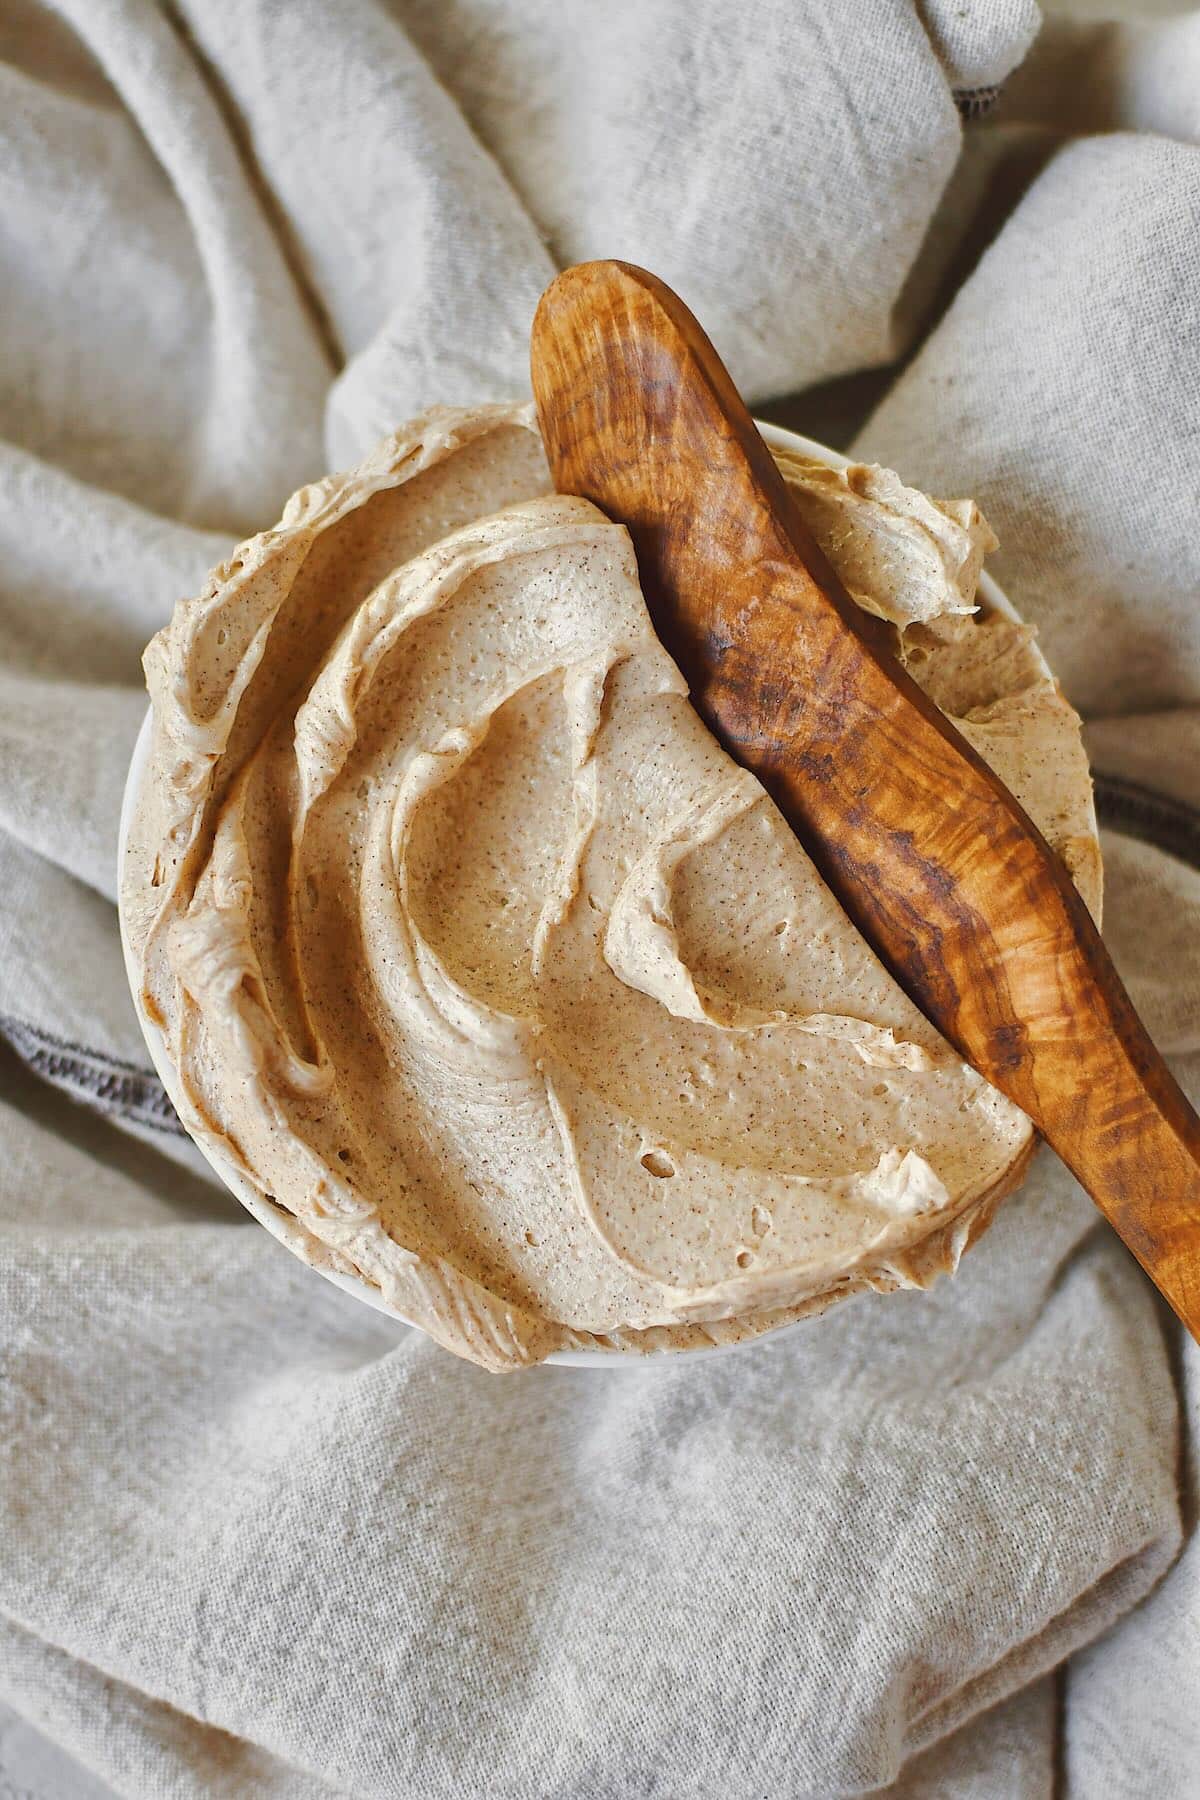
{"x":779,"y":438}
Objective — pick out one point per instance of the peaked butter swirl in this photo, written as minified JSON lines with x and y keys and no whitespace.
{"x":478,"y":957}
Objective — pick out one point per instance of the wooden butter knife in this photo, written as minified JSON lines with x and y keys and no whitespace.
{"x":939,"y":867}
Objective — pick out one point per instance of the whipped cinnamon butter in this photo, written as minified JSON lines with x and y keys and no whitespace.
{"x":490,"y":971}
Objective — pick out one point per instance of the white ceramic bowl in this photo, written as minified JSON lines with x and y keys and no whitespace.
{"x":266,"y":1214}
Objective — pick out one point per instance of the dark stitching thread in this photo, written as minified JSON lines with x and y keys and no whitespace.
{"x":107,"y":1083}
{"x":1138,"y":812}
{"x":975,"y":103}
{"x":68,"y":1048}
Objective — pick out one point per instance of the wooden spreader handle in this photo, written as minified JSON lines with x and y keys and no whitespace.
{"x":931,"y":856}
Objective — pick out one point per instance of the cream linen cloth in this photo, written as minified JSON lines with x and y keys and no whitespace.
{"x":256,"y":1541}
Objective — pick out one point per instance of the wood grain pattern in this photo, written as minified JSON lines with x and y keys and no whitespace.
{"x":941,"y":869}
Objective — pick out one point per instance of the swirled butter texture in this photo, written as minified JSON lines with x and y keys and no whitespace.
{"x":485,"y":966}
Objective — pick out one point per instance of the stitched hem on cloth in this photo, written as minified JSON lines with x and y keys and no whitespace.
{"x":108,"y":1084}
{"x":975,"y":103}
{"x":1138,"y":812}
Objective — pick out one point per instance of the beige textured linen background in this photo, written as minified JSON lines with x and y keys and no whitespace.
{"x":256,"y":1541}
